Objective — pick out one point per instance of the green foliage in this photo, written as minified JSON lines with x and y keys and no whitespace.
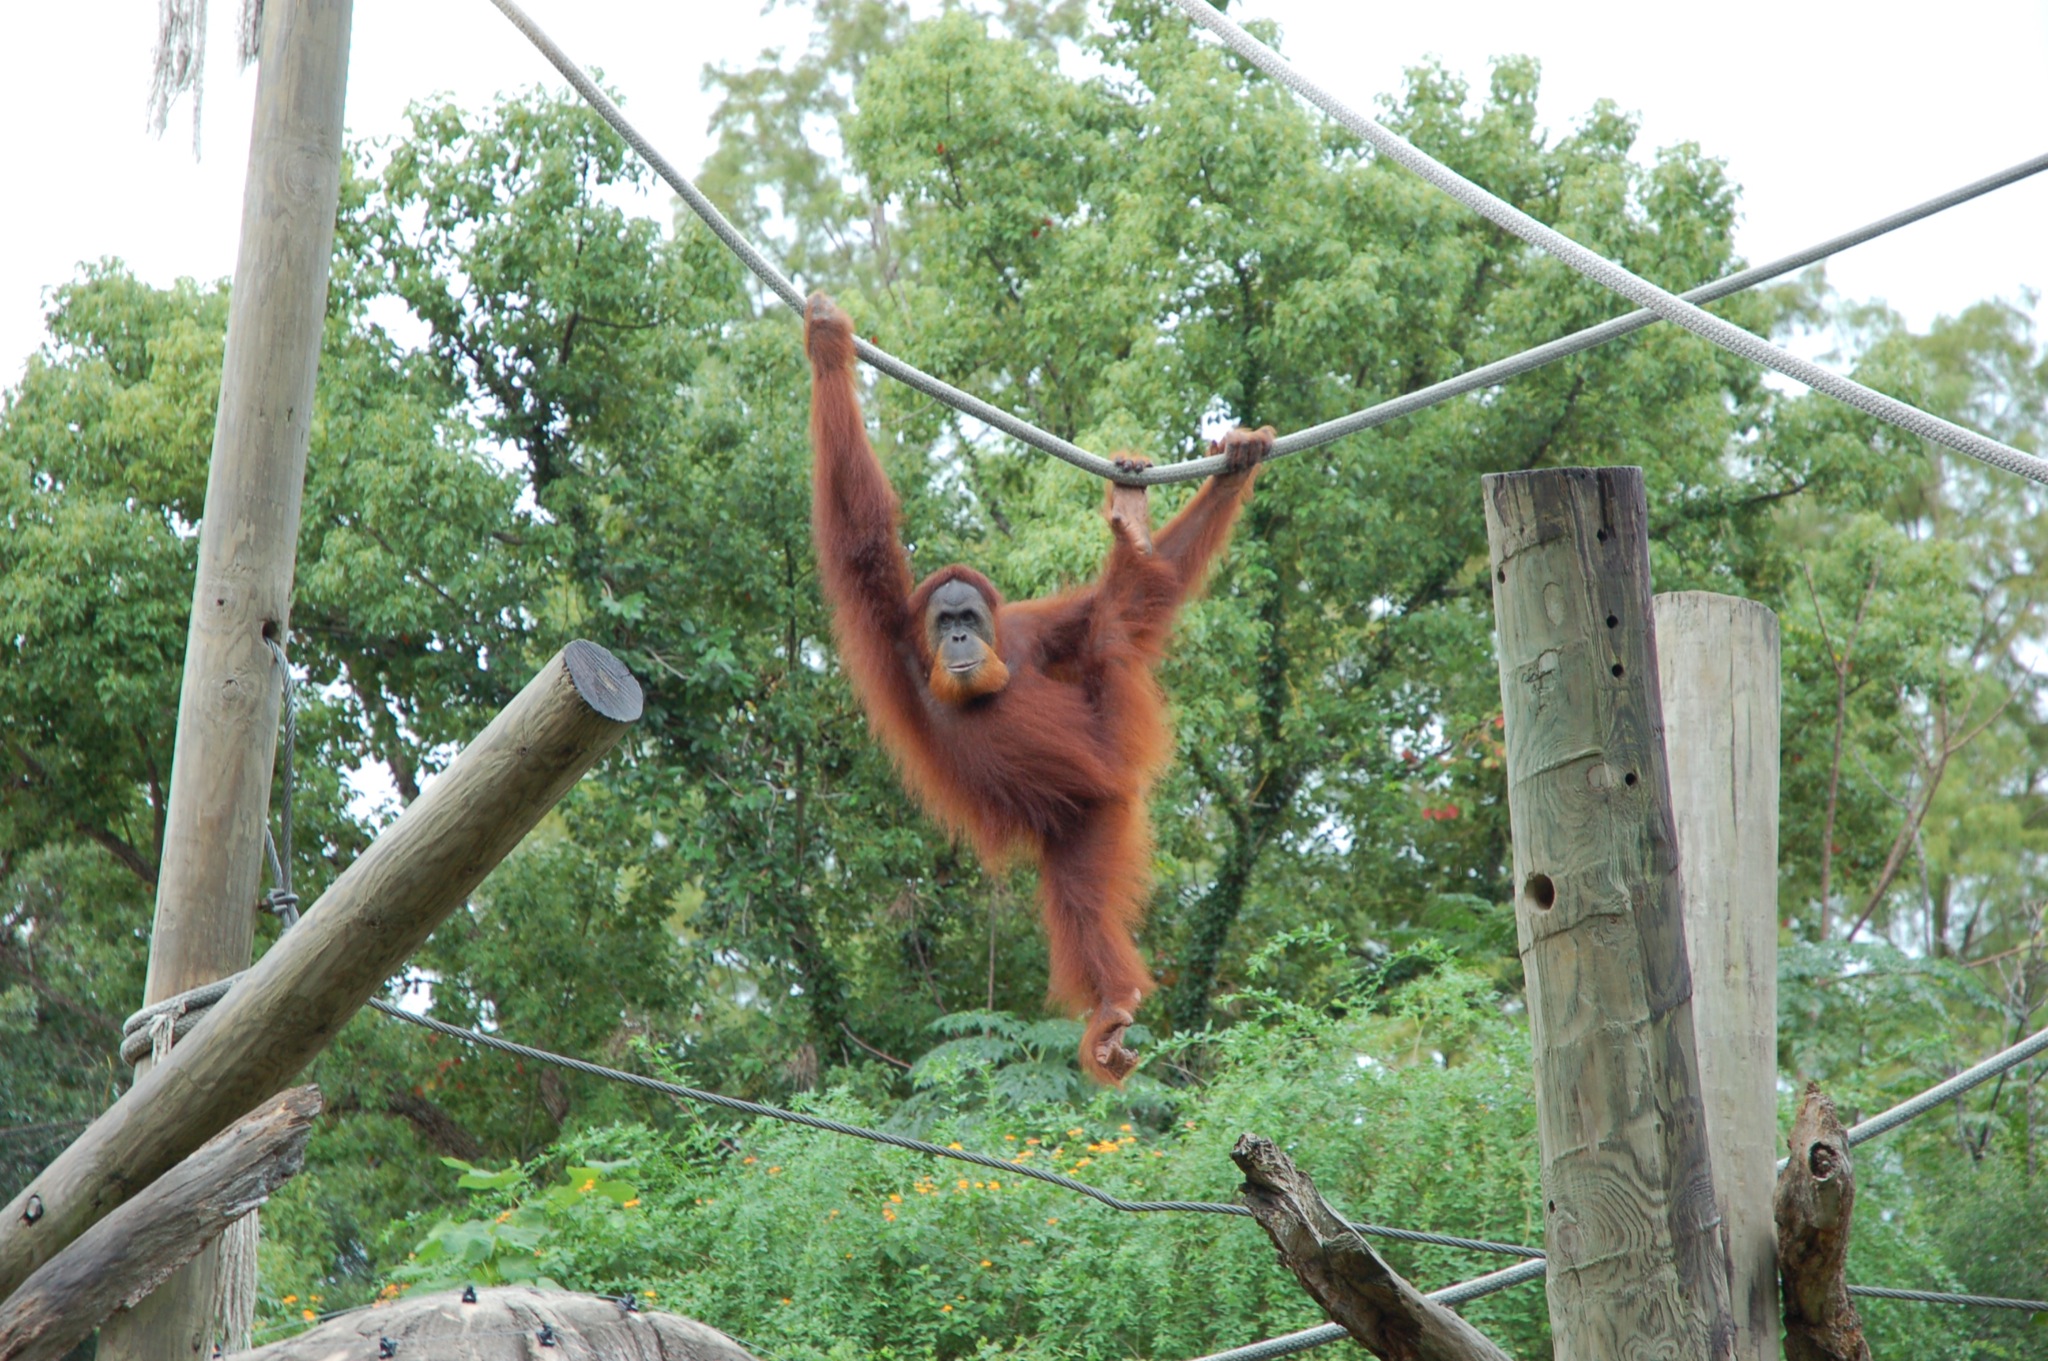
{"x":808,"y":1245}
{"x":504,"y":1248}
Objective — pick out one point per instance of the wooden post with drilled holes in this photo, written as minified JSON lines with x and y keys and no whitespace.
{"x":212,"y":851}
{"x":1717,"y":663}
{"x":1636,"y":1261}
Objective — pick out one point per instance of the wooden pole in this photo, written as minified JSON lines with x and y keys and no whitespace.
{"x":212,"y":850}
{"x":1717,"y":662}
{"x":1636,"y":1262}
{"x":119,"y":1260}
{"x":286,"y":1008}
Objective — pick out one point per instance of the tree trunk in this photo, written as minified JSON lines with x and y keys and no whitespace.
{"x":1815,"y":1197}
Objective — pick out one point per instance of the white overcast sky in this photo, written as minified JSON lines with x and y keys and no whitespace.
{"x":1828,"y":112}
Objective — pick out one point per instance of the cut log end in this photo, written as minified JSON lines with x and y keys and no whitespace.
{"x":603,"y":681}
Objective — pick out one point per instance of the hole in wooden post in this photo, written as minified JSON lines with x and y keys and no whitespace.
{"x":1618,"y":670}
{"x":1541,"y":891}
{"x":1613,"y":622}
{"x":1629,"y":779}
{"x":1601,"y":535}
{"x":1501,"y":575}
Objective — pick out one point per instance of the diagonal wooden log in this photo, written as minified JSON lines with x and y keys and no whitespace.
{"x":1390,"y":1317}
{"x":119,"y":1260}
{"x":504,"y":1323}
{"x":286,"y":1009}
{"x":1815,"y":1197}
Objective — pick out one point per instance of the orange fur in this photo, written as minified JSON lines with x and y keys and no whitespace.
{"x":989,"y":678}
{"x":1054,"y":745}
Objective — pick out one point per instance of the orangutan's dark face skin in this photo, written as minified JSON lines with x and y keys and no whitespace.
{"x":961,"y":628}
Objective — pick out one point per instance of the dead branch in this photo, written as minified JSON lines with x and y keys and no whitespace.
{"x":1386,"y":1314}
{"x":1815,"y":1196}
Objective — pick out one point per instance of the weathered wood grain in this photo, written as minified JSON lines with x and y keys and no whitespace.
{"x":504,"y":1324}
{"x":228,"y":706}
{"x":1637,"y":1264}
{"x":1717,"y":663}
{"x":1815,"y":1198}
{"x":287,"y":1008}
{"x":1389,"y":1317}
{"x":125,"y":1256}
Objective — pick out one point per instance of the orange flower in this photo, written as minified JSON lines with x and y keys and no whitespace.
{"x":631,"y":1203}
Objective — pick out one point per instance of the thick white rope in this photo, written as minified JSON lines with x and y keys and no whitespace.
{"x":779,"y":283}
{"x":1491,"y":375}
{"x":1188,"y":470}
{"x":1610,"y":275}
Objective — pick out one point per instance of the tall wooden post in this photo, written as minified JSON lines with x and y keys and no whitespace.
{"x":1717,"y":662}
{"x":1636,"y":1262}
{"x":228,"y":707}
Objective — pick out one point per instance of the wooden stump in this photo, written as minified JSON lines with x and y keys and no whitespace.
{"x":1815,"y":1197}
